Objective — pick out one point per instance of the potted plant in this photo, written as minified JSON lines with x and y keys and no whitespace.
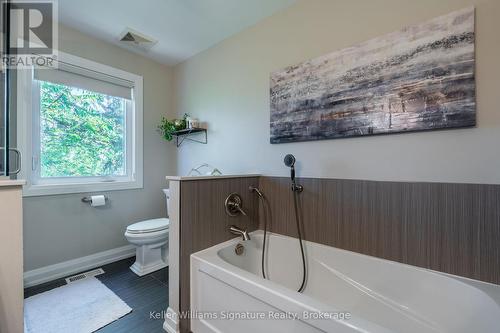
{"x":168,"y":128}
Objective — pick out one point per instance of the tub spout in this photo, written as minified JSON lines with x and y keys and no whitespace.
{"x":240,"y":232}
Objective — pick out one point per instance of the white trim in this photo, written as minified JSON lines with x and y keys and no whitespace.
{"x":40,"y":190}
{"x":25,"y":100}
{"x":66,"y":268}
{"x":189,"y":178}
{"x":171,"y":323}
{"x":4,"y":182}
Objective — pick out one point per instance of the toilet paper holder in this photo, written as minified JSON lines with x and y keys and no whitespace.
{"x":89,"y":199}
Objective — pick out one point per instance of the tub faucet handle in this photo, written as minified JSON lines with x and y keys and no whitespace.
{"x":233,"y":205}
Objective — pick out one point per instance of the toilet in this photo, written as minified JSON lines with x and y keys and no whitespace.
{"x":151,"y":240}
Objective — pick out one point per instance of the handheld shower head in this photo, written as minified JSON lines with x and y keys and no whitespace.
{"x":289,"y":160}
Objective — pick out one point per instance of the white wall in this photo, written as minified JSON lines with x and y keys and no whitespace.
{"x":60,"y":228}
{"x":228,"y":87}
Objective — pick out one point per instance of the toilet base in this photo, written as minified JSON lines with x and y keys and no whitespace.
{"x":141,"y":270}
{"x":148,"y":259}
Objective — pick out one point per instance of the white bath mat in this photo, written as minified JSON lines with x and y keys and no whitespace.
{"x":80,"y":307}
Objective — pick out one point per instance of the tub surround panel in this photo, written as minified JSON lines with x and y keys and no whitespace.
{"x":204,"y":222}
{"x":489,"y":235}
{"x":452,"y":228}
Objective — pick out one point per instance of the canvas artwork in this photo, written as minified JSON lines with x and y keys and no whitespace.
{"x":418,"y":78}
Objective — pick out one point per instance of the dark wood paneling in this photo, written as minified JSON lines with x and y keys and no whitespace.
{"x":489,"y":235}
{"x":204,"y":222}
{"x":453,"y":228}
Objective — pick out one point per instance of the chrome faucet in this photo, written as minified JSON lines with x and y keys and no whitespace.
{"x":240,"y":232}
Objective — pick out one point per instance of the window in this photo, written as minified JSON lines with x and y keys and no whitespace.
{"x":81,"y":132}
{"x":83,"y":127}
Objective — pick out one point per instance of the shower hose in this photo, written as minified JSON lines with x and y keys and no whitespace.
{"x":297,"y":220}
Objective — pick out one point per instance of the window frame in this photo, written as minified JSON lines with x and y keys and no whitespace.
{"x":28,"y":98}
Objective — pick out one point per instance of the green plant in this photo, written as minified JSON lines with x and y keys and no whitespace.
{"x":168,"y":127}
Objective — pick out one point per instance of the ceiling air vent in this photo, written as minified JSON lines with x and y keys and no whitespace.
{"x":136,"y":40}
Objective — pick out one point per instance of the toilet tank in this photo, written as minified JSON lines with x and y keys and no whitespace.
{"x":167,"y":197}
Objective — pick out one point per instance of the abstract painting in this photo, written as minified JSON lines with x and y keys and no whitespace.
{"x":418,"y":78}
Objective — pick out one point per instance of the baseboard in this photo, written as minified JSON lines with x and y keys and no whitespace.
{"x":56,"y":271}
{"x":171,"y":323}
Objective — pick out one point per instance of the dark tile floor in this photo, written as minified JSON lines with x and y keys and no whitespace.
{"x":145,"y":295}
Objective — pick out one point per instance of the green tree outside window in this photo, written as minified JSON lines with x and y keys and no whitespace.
{"x":82,"y":133}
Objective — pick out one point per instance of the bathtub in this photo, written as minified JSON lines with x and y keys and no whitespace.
{"x":345,"y":292}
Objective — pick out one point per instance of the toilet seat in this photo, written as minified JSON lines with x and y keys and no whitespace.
{"x":148,"y":226}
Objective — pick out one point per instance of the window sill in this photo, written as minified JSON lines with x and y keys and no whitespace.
{"x":31,"y":190}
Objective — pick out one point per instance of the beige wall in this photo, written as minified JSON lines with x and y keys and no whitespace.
{"x":228,"y":87}
{"x":60,"y":228}
{"x":11,"y":264}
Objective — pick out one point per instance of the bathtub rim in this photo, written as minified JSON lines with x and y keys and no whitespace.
{"x":466,"y":280}
{"x":269,"y":291}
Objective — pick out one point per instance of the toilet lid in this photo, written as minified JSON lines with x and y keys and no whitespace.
{"x":149,"y":226}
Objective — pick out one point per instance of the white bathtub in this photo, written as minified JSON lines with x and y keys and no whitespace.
{"x":228,"y":293}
